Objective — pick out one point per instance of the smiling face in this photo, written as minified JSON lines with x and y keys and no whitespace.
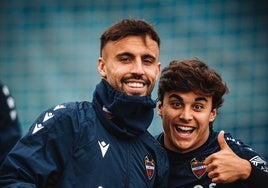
{"x":131,"y":65}
{"x":185,"y":118}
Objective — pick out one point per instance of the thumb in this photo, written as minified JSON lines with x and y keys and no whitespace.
{"x":223,"y":144}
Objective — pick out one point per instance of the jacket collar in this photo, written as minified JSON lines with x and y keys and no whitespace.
{"x":123,"y":115}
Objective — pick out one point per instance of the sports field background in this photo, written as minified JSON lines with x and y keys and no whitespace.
{"x":49,"y":51}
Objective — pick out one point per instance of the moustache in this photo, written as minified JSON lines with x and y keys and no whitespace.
{"x":137,"y":77}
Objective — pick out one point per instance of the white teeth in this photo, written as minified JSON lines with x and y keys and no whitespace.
{"x":134,"y":84}
{"x":185,"y":128}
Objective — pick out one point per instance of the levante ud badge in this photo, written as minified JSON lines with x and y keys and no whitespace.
{"x":198,"y":168}
{"x":150,"y":166}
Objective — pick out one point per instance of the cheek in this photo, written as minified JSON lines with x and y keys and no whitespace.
{"x":154,"y":75}
{"x":166,"y":117}
{"x":167,"y":128}
{"x":112,"y":74}
{"x":203,"y":121}
{"x":165,"y":123}
{"x":118,"y":73}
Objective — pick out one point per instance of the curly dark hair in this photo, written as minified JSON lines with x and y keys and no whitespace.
{"x":192,"y":75}
{"x":128,"y":27}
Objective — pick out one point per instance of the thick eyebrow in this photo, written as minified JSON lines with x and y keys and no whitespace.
{"x":132,"y":55}
{"x":149,"y":56}
{"x":124,"y":54}
{"x":201,"y":99}
{"x":196,"y":100}
{"x":175,"y":96}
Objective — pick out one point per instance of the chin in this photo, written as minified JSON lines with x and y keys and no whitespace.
{"x":136,"y":94}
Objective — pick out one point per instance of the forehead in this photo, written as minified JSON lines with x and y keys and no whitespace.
{"x":135,"y":44}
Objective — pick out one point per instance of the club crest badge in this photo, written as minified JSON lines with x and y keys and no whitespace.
{"x":149,"y":166}
{"x":198,"y":168}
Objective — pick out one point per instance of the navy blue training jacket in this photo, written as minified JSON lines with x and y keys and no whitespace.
{"x":187,"y":170}
{"x":83,"y":145}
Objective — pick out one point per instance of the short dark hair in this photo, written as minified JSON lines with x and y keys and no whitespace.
{"x":127,"y":27}
{"x":192,"y":75}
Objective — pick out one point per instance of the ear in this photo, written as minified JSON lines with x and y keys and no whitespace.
{"x":159,"y":109}
{"x":213,"y":115}
{"x":159,"y":69}
{"x":101,"y":67}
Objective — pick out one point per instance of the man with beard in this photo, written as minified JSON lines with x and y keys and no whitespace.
{"x":103,"y":143}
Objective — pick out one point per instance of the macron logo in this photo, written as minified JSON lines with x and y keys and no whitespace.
{"x":59,"y":107}
{"x":257,"y":160}
{"x":48,"y":116}
{"x":104,"y":147}
{"x":37,"y":128}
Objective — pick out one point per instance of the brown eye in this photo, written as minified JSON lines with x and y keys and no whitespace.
{"x":198,"y":107}
{"x":176,"y":104}
{"x":125,"y":59}
{"x":148,"y":61}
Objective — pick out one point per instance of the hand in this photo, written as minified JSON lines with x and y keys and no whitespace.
{"x":225,"y":166}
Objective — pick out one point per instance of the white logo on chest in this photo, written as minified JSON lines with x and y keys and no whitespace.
{"x":104,"y":147}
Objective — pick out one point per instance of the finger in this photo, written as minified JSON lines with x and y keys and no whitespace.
{"x":212,"y":175}
{"x":210,"y":167}
{"x":209,"y":160}
{"x":215,"y":180}
{"x":223,"y":144}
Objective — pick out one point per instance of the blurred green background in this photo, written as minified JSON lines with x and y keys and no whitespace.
{"x":49,"y":51}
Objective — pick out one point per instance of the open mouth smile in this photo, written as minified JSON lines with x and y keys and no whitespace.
{"x":135,"y":84}
{"x":184,"y":129}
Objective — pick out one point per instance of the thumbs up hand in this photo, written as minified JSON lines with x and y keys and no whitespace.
{"x":225,"y":166}
{"x":221,"y":140}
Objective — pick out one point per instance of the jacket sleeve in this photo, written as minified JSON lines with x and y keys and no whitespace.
{"x":9,"y":124}
{"x":258,"y":178}
{"x":38,"y":159}
{"x":259,"y":167}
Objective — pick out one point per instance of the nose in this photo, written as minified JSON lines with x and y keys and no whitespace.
{"x":137,"y":67}
{"x":186,"y":115}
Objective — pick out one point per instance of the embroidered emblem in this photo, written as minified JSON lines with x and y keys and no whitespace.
{"x":150,"y":167}
{"x":198,"y":168}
